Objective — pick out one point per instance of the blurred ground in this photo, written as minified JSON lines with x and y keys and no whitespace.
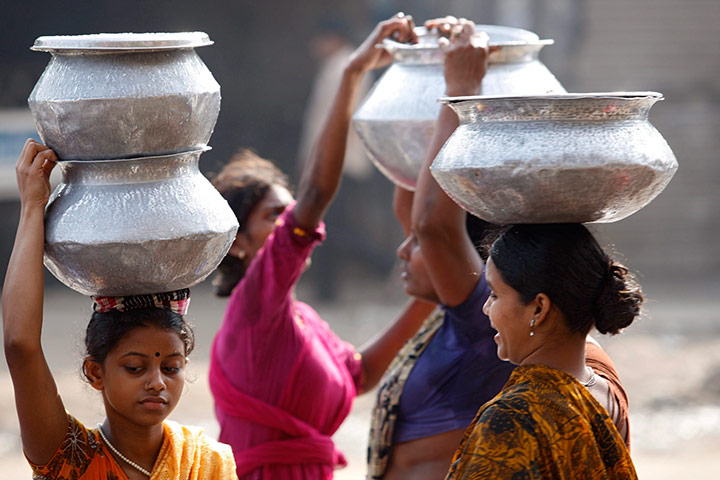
{"x":669,"y":362}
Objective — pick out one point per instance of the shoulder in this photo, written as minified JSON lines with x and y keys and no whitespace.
{"x":509,"y":411}
{"x":208,"y":449}
{"x":78,"y":450}
{"x":476,"y":299}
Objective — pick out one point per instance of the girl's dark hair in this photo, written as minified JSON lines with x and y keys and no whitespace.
{"x":243,"y":182}
{"x":565,"y":262}
{"x":105,"y":330}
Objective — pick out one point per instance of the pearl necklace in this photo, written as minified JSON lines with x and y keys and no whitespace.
{"x":592,"y":380}
{"x":117,"y":452}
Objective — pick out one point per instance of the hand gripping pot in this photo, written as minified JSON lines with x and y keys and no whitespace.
{"x":135,"y":226}
{"x":396,"y":121}
{"x":590,"y":157}
{"x":122,"y":95}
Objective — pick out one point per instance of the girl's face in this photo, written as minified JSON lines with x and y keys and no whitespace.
{"x":260,"y":223}
{"x":509,"y":315}
{"x":142,"y":378}
{"x":414,"y":274}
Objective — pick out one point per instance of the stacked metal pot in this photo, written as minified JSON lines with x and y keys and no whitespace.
{"x":525,"y":151}
{"x":129,"y":116}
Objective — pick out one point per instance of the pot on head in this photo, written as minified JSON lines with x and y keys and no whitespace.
{"x":591,"y":157}
{"x":396,"y":121}
{"x":134,"y":226}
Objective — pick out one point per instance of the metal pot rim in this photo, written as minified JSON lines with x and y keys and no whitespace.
{"x":193,"y":151}
{"x":554,"y":96}
{"x":428,"y":39}
{"x":121,"y":42}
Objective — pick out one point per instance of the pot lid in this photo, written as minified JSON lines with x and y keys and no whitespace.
{"x":118,"y":42}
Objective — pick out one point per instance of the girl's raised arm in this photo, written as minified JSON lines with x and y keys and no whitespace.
{"x":321,"y":177}
{"x":42,"y":417}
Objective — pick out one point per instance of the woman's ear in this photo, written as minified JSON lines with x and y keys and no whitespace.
{"x":542,"y":306}
{"x":93,"y":373}
{"x":240,"y":246}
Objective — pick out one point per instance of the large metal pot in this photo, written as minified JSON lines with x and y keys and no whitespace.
{"x":120,"y":95}
{"x":396,"y":121}
{"x":143,"y":225}
{"x":554,"y":158}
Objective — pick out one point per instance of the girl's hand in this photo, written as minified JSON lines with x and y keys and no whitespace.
{"x":466,"y":58}
{"x":368,"y":57}
{"x":33,"y":173}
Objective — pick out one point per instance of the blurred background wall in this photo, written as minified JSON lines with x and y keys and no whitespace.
{"x":262,"y":60}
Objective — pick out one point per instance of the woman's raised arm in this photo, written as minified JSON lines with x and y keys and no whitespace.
{"x":40,"y":411}
{"x":321,"y":177}
{"x":437,"y":221}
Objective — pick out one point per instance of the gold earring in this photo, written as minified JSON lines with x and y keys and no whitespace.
{"x":241,"y":254}
{"x":532,"y":326}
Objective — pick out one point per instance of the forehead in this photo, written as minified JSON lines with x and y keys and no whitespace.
{"x":149,"y":340}
{"x":277,"y":195}
{"x":492,"y":275}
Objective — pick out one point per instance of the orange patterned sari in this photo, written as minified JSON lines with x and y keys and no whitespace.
{"x":186,"y":454}
{"x":543,"y":425}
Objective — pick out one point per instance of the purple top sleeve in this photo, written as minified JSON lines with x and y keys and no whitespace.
{"x":455,"y":375}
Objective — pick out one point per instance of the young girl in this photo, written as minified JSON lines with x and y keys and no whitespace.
{"x":137,"y":350}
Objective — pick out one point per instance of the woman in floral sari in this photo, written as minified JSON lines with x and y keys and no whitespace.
{"x":551,"y":284}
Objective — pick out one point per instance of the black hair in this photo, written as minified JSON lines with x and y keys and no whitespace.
{"x":105,"y":330}
{"x":565,"y":262}
{"x":243,"y":182}
{"x":479,"y":231}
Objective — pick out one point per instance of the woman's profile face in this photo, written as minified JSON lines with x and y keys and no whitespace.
{"x":143,"y":376}
{"x":261,"y":222}
{"x":414,"y":274}
{"x":509,"y":315}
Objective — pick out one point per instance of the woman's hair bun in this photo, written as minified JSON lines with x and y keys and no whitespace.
{"x":619,"y":301}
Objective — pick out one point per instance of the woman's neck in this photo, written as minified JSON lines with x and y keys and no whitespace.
{"x":140,"y":444}
{"x":566,"y":353}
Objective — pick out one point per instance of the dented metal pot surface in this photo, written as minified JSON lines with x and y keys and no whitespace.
{"x":121,"y":95}
{"x":591,"y":157}
{"x":142,"y":225}
{"x":396,"y":121}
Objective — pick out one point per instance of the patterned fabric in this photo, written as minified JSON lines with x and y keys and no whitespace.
{"x":386,"y":408}
{"x":543,"y":425}
{"x":81,"y":455}
{"x":186,"y":453}
{"x":178,"y":301}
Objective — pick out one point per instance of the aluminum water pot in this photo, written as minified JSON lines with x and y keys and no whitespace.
{"x":143,"y":225}
{"x":396,"y":121}
{"x":122,"y":95}
{"x":554,"y":158}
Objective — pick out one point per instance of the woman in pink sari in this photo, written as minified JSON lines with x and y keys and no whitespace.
{"x":283,"y":382}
